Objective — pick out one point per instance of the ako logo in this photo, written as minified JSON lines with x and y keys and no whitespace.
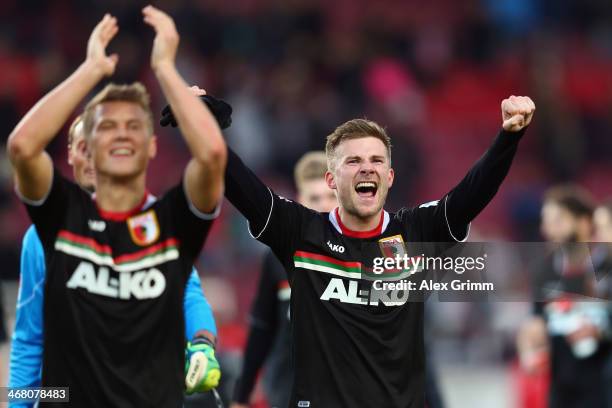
{"x":144,"y":228}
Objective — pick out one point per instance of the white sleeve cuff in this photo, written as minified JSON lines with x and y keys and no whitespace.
{"x":200,"y":214}
{"x":36,"y":203}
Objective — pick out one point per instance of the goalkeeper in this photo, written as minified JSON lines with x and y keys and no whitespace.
{"x":27,"y":340}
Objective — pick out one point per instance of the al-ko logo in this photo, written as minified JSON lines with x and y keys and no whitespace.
{"x":145,"y":284}
{"x":385,"y":283}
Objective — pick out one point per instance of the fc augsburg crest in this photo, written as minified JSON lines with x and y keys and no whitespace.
{"x":144,"y":228}
{"x":392,"y":246}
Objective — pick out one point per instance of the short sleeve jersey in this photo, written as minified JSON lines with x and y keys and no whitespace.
{"x":113,"y":297}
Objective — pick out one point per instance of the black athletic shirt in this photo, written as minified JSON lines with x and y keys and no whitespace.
{"x":269,"y":338}
{"x":354,"y":346}
{"x":568,"y":390}
{"x":113,"y":304}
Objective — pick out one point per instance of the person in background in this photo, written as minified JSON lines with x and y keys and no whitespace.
{"x":567,"y":334}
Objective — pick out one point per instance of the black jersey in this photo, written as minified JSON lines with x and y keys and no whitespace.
{"x":269,"y":338}
{"x":590,"y":388}
{"x":354,"y":346}
{"x":113,"y":304}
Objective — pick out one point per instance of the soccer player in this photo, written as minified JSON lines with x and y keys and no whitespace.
{"x":27,"y":341}
{"x":117,"y":263}
{"x":270,"y":333}
{"x":575,"y":332}
{"x":354,"y":346}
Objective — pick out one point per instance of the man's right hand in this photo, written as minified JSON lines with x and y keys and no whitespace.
{"x":99,"y":39}
{"x":237,"y":405}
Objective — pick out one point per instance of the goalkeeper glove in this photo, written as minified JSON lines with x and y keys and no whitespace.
{"x":202,"y":371}
{"x":221,"y":110}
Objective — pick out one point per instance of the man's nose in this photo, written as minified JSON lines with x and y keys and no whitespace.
{"x":122,"y":132}
{"x":366,"y":167}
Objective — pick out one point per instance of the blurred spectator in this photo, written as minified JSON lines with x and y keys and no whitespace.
{"x":577,"y":327}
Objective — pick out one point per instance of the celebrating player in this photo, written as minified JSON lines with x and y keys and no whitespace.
{"x":27,"y":341}
{"x":117,"y":264}
{"x":354,"y":346}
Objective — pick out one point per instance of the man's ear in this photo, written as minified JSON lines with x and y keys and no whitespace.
{"x":391,"y":177}
{"x":153,"y":147}
{"x":329,"y":179}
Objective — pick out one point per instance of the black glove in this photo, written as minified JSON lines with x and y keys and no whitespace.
{"x":221,"y":110}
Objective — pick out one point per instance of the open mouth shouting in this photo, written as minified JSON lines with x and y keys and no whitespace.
{"x":366,"y":189}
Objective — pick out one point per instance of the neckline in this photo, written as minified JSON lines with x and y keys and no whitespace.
{"x":376,"y":231}
{"x":121,"y":215}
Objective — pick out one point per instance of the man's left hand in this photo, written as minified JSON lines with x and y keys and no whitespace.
{"x":517,"y":112}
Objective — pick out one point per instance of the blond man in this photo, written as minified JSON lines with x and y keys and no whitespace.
{"x":355,"y":345}
{"x":117,"y":263}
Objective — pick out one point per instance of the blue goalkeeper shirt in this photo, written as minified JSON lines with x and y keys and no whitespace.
{"x":27,"y":341}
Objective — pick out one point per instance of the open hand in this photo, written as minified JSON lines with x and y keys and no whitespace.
{"x":166,"y":37}
{"x":99,"y":39}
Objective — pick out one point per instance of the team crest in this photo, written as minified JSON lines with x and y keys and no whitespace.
{"x":144,"y":228}
{"x":392,"y":246}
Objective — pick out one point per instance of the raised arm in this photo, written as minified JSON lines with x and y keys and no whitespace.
{"x":27,"y":142}
{"x":481,"y":183}
{"x":204,"y":173}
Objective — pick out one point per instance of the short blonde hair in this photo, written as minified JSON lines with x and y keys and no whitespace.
{"x":355,"y":129}
{"x":135,"y":93}
{"x":74,"y":127}
{"x":311,"y":166}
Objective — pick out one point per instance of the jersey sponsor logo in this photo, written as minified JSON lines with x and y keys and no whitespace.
{"x":144,"y":228}
{"x":96,"y":225}
{"x":145,"y":284}
{"x":303,"y":404}
{"x":335,"y":247}
{"x":349,"y":292}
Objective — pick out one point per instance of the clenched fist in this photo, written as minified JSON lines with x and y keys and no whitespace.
{"x":517,"y":112}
